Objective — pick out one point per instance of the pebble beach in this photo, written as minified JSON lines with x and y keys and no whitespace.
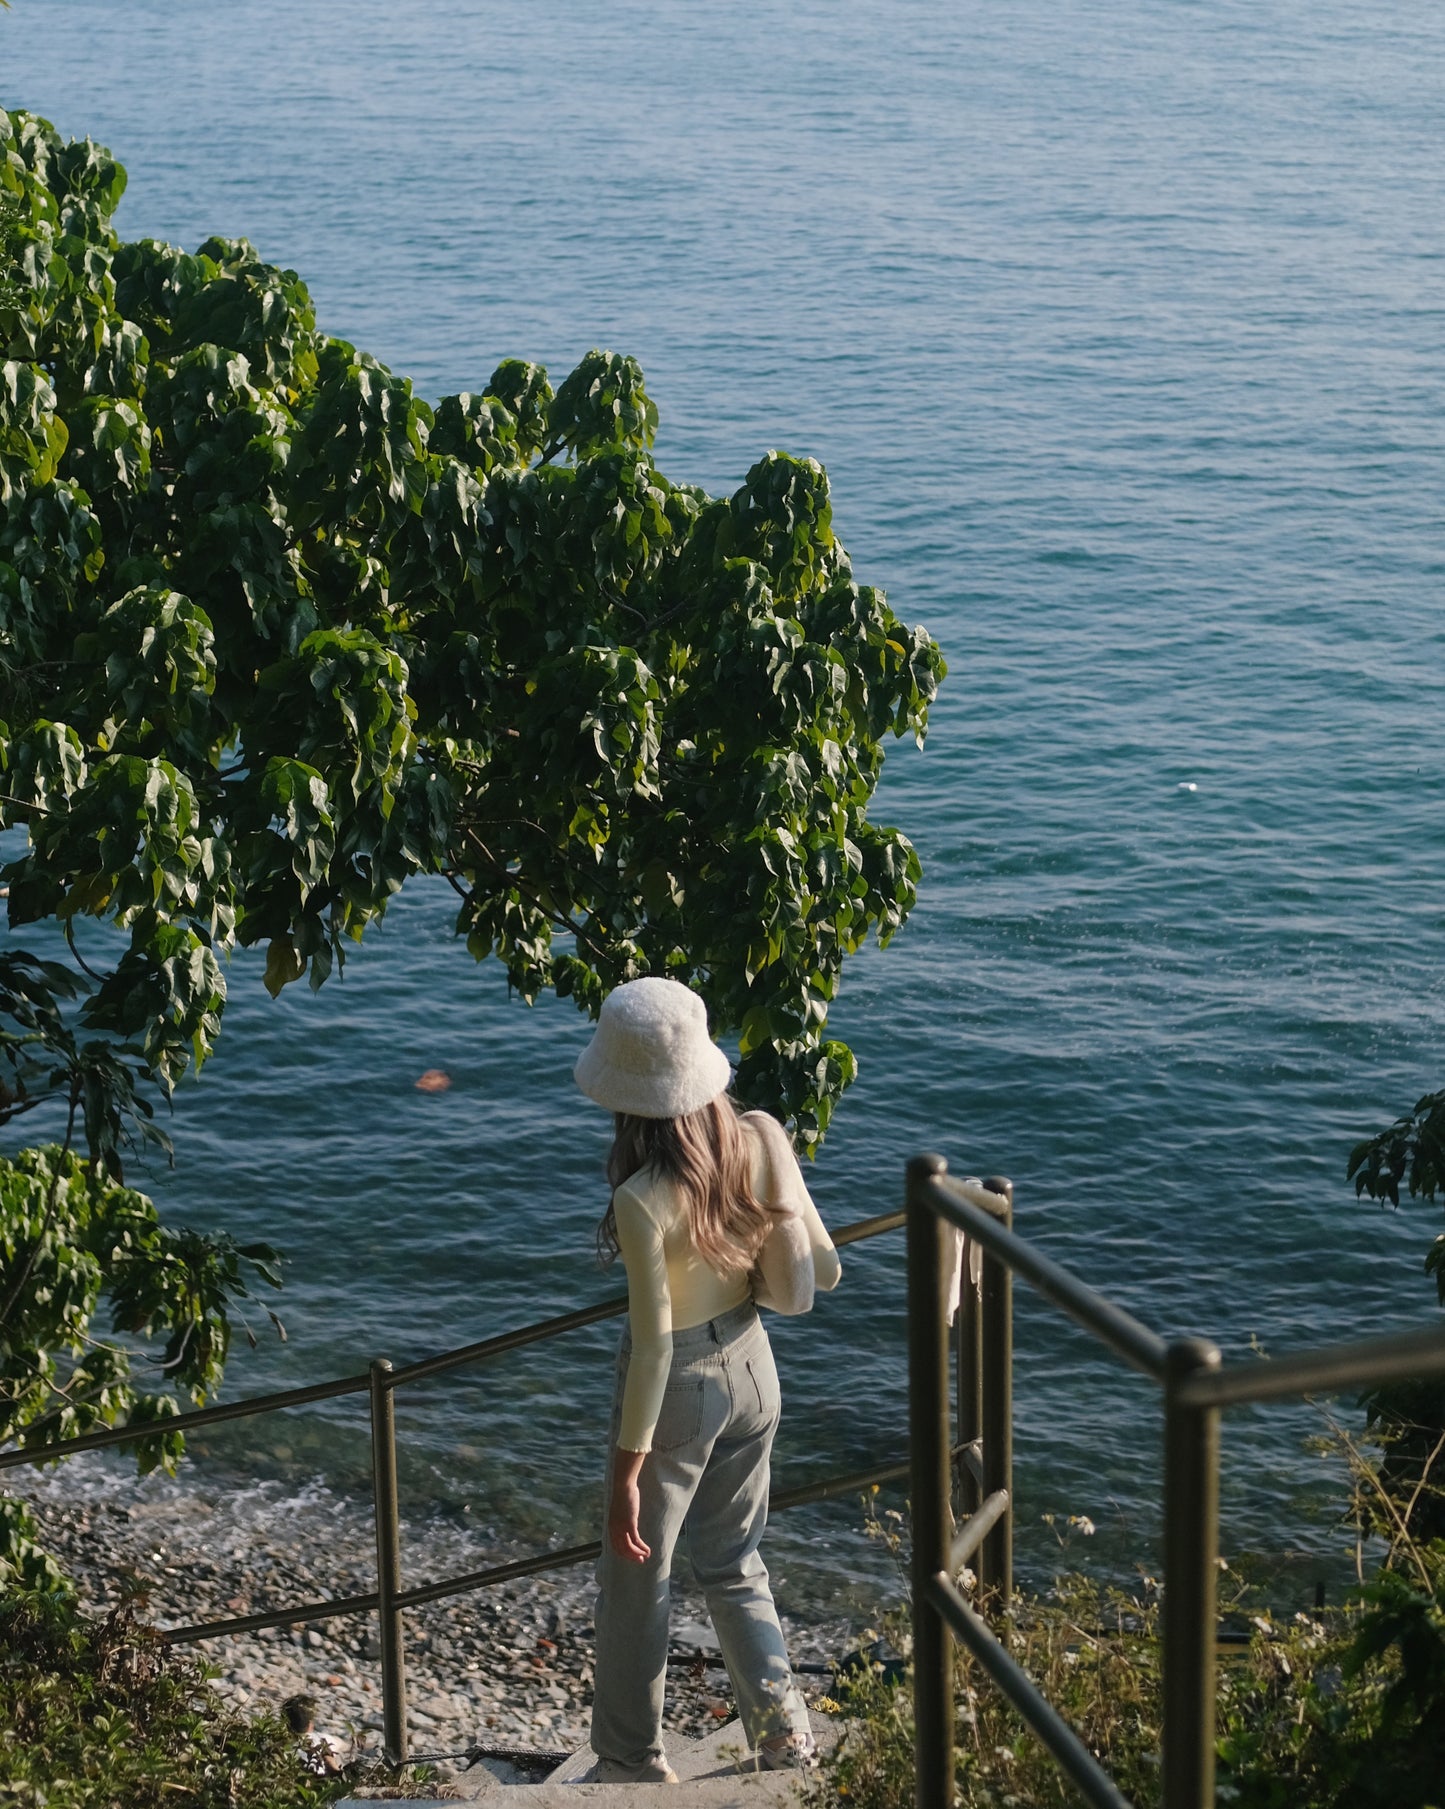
{"x":508,"y":1668}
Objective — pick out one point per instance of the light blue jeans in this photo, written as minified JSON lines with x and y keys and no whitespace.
{"x":708,"y":1468}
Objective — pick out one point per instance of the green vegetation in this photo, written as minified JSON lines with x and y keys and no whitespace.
{"x":1409,"y":1417}
{"x":1093,"y":1655}
{"x":1339,"y":1709}
{"x":72,"y":1239}
{"x":98,"y":1716}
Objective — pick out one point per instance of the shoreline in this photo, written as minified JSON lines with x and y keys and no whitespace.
{"x":509,"y":1666}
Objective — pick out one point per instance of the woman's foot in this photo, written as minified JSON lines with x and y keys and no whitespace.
{"x":788,"y":1752}
{"x":650,"y":1771}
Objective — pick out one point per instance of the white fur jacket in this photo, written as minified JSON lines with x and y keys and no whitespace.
{"x":797,"y":1256}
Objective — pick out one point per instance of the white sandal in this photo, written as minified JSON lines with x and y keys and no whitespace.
{"x":788,"y":1752}
{"x":651,"y":1771}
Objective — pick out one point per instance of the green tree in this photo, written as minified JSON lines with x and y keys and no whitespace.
{"x":275,"y":635}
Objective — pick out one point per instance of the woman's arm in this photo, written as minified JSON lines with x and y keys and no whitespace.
{"x":649,"y":1317}
{"x":625,"y":1507}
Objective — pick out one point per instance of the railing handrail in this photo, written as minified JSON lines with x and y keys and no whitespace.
{"x":184,"y":1422}
{"x":802,"y":1494}
{"x":1195,"y":1384}
{"x":974,"y":1210}
{"x":1387,"y":1357}
{"x":390,"y":1600}
{"x":280,"y":1399}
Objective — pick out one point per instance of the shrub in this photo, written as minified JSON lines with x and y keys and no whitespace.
{"x":96,"y":1715}
{"x":1343,"y":1709}
{"x":1093,"y":1652}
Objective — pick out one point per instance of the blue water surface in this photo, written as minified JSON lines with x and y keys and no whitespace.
{"x":1119,"y":330}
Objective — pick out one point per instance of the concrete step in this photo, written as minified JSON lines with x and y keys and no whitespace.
{"x":712,"y":1774}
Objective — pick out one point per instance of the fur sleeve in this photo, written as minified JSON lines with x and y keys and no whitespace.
{"x":798,"y":1256}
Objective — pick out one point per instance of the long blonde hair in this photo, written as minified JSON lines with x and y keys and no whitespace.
{"x":706,"y":1157}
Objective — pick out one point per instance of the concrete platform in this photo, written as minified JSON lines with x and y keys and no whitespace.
{"x":712,"y":1774}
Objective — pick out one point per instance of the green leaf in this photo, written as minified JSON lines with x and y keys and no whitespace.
{"x":283,"y":965}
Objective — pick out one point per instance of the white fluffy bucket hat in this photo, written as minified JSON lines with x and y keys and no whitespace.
{"x":651,"y":1054}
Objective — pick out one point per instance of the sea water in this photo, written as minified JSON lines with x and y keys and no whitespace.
{"x":1119,"y":330}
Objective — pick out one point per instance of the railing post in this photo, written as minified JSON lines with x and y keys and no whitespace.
{"x":928,"y":1456}
{"x":996,"y":1558}
{"x":388,"y":1562}
{"x":968,"y":1386}
{"x":1191,"y":1548}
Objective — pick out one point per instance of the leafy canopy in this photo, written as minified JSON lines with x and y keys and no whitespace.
{"x":276,"y":634}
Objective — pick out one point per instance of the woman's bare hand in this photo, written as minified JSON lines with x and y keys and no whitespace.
{"x":625,"y":1508}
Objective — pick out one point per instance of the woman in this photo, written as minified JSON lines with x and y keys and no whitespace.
{"x":708,"y":1209}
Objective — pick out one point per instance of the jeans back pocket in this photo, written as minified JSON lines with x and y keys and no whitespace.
{"x":679,"y":1419}
{"x":764,"y":1378}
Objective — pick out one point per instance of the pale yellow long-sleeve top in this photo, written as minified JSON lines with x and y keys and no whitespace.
{"x":669,"y":1285}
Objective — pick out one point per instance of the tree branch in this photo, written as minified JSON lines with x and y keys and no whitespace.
{"x":560,"y":918}
{"x":84,"y":964}
{"x":16,"y":1108}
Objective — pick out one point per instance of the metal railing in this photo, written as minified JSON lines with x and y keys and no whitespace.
{"x":978,"y":1457}
{"x":1196,"y":1385}
{"x":390,"y":1600}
